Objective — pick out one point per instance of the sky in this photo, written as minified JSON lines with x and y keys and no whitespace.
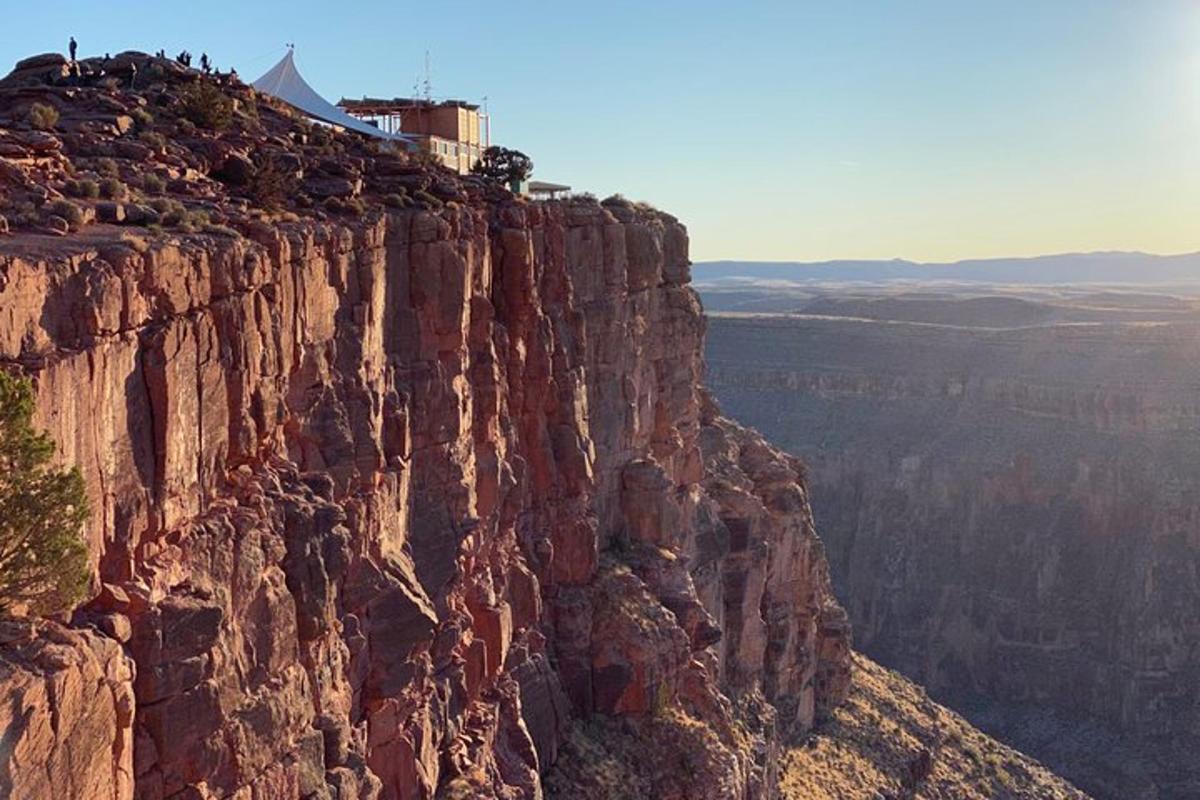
{"x":931,"y":130}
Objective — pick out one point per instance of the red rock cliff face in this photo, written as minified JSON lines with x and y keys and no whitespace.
{"x":388,"y":508}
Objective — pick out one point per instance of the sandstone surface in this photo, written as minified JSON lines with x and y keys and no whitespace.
{"x":394,"y":493}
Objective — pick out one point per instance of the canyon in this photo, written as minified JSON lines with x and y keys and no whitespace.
{"x":1005,"y":483}
{"x":402,"y":486}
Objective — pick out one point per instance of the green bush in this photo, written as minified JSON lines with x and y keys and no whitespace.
{"x":113,"y":189}
{"x":153,"y":184}
{"x":206,"y":106}
{"x":72,"y":213}
{"x":175,"y":214}
{"x":43,"y":560}
{"x":429,"y":200}
{"x":83,"y":188}
{"x":165,"y":205}
{"x":271,"y":184}
{"x":397,"y":201}
{"x":108,"y":167}
{"x":142,"y":118}
{"x":43,"y":117}
{"x":220,"y":230}
{"x":153,"y":139}
{"x":351,"y":206}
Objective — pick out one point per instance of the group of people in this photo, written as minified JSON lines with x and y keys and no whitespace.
{"x":184,"y":58}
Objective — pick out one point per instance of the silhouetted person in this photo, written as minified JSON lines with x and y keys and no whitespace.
{"x":184,"y":58}
{"x":73,"y":47}
{"x":205,"y":64}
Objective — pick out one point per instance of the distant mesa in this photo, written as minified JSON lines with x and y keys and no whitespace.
{"x":1096,"y":268}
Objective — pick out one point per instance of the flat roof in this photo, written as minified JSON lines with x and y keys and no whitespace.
{"x":546,"y":186}
{"x":401,"y":103}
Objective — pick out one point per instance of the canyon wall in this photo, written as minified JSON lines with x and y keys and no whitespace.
{"x":1011,"y":517}
{"x":387,"y":507}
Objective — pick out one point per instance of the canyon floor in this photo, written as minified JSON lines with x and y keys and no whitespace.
{"x":1004,"y":479}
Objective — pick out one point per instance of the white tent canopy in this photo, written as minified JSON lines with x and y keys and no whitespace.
{"x":285,"y":82}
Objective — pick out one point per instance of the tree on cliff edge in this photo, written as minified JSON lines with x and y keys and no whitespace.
{"x":43,"y":560}
{"x":504,"y":164}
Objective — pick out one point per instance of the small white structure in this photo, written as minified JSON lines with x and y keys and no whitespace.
{"x":285,"y":82}
{"x":544,"y":190}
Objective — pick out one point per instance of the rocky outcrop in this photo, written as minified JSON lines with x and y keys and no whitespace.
{"x":67,"y":713}
{"x":1010,"y":517}
{"x":387,"y":505}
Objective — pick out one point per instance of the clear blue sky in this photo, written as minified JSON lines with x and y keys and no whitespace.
{"x":931,"y":129}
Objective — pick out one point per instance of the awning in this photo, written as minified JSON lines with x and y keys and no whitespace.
{"x":285,"y":82}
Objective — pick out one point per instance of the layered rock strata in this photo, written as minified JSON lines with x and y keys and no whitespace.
{"x":1010,"y":517}
{"x":387,"y":506}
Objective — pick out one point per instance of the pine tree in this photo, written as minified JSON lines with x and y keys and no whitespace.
{"x":43,"y":559}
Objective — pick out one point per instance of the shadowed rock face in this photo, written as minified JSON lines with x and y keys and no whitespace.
{"x":384,"y":507}
{"x":1011,"y":519}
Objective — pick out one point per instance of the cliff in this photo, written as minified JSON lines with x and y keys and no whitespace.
{"x":404,"y":488}
{"x":1010,"y":519}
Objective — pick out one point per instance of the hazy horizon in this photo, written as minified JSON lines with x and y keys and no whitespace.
{"x":965,"y":259}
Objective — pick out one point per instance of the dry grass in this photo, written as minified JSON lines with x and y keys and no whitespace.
{"x":872,"y":748}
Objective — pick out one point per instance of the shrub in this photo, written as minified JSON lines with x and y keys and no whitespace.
{"x":429,"y":200}
{"x":397,"y":201}
{"x":153,"y":139}
{"x":206,"y":106}
{"x":113,"y":189}
{"x":72,"y":213}
{"x":352,"y":206}
{"x":43,"y":117}
{"x":108,"y":167}
{"x":153,"y":184}
{"x":249,"y":107}
{"x":83,"y":188}
{"x":142,"y":118}
{"x":194,"y":221}
{"x":220,"y":230}
{"x":165,"y":205}
{"x":271,"y":184}
{"x":43,"y":560}
{"x":23,"y":213}
{"x":174,"y":214}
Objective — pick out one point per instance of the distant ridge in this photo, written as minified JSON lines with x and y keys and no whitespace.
{"x":1105,"y":268}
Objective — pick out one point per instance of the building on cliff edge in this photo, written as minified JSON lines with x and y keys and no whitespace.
{"x":453,"y":131}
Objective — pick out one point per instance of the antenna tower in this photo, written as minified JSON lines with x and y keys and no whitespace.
{"x":428,"y":84}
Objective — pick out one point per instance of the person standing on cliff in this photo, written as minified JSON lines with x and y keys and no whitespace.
{"x":72,"y":47}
